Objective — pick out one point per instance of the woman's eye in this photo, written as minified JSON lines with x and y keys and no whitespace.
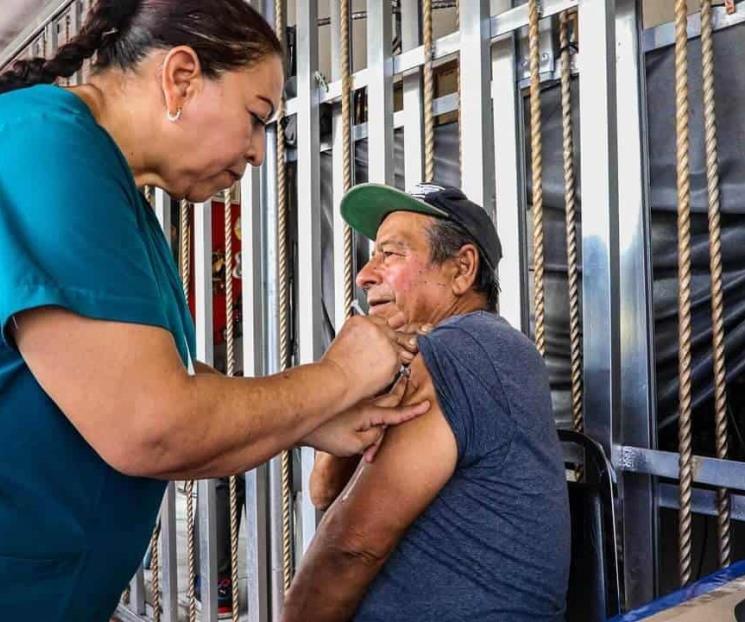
{"x":258,"y":119}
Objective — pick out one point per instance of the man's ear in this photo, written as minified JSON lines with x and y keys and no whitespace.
{"x":466,"y":268}
{"x":181,"y":77}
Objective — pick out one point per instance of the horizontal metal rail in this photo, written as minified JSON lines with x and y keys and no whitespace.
{"x":703,"y":502}
{"x":710,"y":471}
{"x":664,"y":35}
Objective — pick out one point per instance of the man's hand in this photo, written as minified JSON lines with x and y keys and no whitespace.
{"x":361,"y":427}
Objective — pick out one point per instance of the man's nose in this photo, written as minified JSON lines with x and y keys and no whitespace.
{"x":368,"y":276}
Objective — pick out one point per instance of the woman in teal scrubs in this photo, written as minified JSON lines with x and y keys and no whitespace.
{"x":101,"y":400}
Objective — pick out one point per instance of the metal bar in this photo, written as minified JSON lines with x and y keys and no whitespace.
{"x":36,"y":24}
{"x":122,"y":614}
{"x":76,"y":16}
{"x":205,"y":354}
{"x":599,"y":174}
{"x":412,"y":96}
{"x":664,"y":35}
{"x":500,"y":25}
{"x":137,"y":592}
{"x":702,"y":501}
{"x":257,"y":556}
{"x":477,"y":166}
{"x":163,"y":212}
{"x":169,"y":555}
{"x":509,"y":167}
{"x":270,"y":280}
{"x":710,"y":471}
{"x":637,"y":408}
{"x":379,"y":92}
{"x":309,"y":227}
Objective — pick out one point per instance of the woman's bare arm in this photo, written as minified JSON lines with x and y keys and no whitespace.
{"x":125,"y":389}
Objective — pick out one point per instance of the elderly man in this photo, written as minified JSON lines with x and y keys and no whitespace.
{"x":463,"y":514}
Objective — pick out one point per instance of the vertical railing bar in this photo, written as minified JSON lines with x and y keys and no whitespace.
{"x":509,"y":156}
{"x":137,"y":592}
{"x":477,"y":166}
{"x":599,"y":174}
{"x":379,"y":92}
{"x":167,"y":542}
{"x":163,"y":212}
{"x":411,"y":25}
{"x":309,"y":230}
{"x":255,"y":484}
{"x":169,"y":555}
{"x":205,"y":353}
{"x":269,"y":282}
{"x":637,"y":412}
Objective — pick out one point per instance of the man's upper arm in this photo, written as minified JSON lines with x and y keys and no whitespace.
{"x":415,"y":461}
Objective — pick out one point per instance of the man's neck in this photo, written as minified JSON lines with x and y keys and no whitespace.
{"x":468,"y":303}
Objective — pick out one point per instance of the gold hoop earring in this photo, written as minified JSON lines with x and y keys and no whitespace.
{"x":173,"y":117}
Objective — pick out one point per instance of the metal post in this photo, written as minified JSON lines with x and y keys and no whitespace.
{"x":411,"y":19}
{"x":167,"y":541}
{"x":309,"y":228}
{"x":255,"y":498}
{"x":205,"y":353}
{"x":509,"y":166}
{"x":379,"y":92}
{"x":599,"y":171}
{"x":637,"y":406}
{"x":477,"y":166}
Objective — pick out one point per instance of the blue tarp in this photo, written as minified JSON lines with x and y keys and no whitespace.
{"x":704,"y":586}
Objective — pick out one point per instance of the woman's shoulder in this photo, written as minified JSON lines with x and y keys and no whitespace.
{"x":50,"y":123}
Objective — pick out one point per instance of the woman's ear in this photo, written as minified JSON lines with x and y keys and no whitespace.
{"x":181,"y":77}
{"x":467,"y":267}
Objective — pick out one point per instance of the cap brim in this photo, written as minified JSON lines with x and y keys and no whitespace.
{"x":365,"y":206}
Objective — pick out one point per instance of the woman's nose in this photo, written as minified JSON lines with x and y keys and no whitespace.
{"x":255,"y":155}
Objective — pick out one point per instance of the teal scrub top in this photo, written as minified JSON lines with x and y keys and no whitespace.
{"x":74,"y":233}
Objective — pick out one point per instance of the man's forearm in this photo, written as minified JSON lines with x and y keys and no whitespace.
{"x":331,"y":582}
{"x":207,"y":437}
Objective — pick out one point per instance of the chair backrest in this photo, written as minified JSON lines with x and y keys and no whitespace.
{"x":594,"y":593}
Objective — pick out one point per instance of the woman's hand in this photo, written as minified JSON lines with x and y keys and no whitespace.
{"x":369,"y":351}
{"x":361,"y":427}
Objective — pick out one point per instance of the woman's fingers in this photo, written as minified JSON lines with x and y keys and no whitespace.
{"x":372,"y":451}
{"x":379,"y":416}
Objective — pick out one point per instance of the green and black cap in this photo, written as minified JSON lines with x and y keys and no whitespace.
{"x":366,"y":206}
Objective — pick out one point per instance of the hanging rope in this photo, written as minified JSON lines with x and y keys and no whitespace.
{"x":459,"y":87}
{"x":184,"y":254}
{"x":536,"y":146}
{"x":715,"y":263}
{"x":429,"y":90}
{"x":570,"y":197}
{"x":684,"y":292}
{"x":230,"y":371}
{"x":346,"y":120}
{"x":284,"y":314}
{"x":155,"y":572}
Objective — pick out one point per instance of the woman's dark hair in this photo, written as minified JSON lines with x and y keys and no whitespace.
{"x":446,"y":238}
{"x":225,"y":34}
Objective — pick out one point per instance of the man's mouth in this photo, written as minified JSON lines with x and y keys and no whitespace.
{"x":376,"y":305}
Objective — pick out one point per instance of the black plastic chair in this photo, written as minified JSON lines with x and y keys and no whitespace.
{"x":594,"y":593}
